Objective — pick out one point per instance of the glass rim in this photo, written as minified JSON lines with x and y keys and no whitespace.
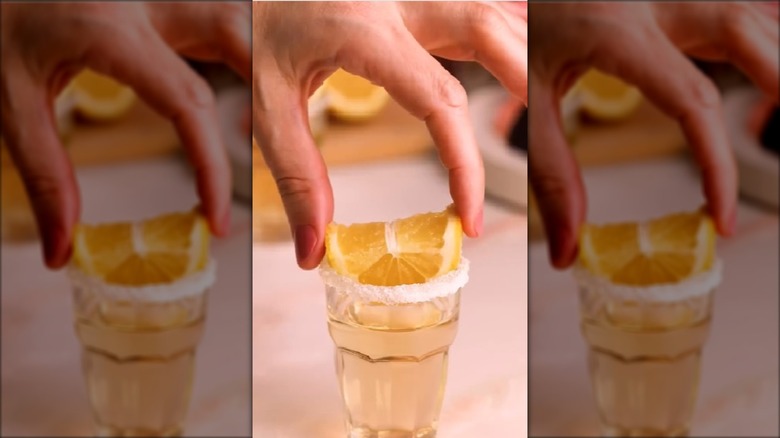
{"x":695,"y":286}
{"x":190,"y":286}
{"x":441,"y":286}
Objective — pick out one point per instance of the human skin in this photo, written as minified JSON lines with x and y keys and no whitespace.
{"x":298,"y":45}
{"x":139,"y":44}
{"x":646,"y":45}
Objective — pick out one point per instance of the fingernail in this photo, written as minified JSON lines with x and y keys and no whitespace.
{"x":479,"y":222}
{"x":731,"y":225}
{"x":305,"y":241}
{"x":560,"y":245}
{"x":554,"y":248}
{"x":54,"y":255}
{"x":224,"y":224}
{"x":49,"y":253}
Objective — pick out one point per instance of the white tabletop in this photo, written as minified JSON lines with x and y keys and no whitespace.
{"x":739,"y":384}
{"x":295,"y":390}
{"x":43,"y":391}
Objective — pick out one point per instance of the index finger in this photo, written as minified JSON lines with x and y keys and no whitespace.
{"x":43,"y":164}
{"x":424,"y":88}
{"x":672,"y":82}
{"x":185,"y":98}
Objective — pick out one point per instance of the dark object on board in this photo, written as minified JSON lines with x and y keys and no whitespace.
{"x":518,"y":136}
{"x":770,"y":136}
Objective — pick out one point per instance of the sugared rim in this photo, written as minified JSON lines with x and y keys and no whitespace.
{"x":189,"y":286}
{"x":441,"y":286}
{"x":698,"y":285}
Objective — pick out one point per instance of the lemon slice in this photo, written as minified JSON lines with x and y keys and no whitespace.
{"x":662,"y":251}
{"x":159,"y":250}
{"x":352,"y":98}
{"x":99,"y":97}
{"x":605,"y":97}
{"x":405,"y":251}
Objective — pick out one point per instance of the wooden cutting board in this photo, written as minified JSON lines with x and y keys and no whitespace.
{"x":393,"y":133}
{"x":143,"y":134}
{"x":139,"y":134}
{"x":647,"y":133}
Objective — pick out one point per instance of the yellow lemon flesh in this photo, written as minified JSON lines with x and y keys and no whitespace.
{"x":352,"y":98}
{"x":661,"y":251}
{"x":99,"y":97}
{"x":405,"y":251}
{"x":159,"y":250}
{"x":605,"y":97}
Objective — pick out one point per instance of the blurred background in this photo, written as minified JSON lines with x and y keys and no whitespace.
{"x":636,"y":166}
{"x":383,"y":166}
{"x":130,"y":166}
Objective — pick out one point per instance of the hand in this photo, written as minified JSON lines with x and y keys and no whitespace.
{"x":45,"y":45}
{"x":298,"y":45}
{"x":645,"y":44}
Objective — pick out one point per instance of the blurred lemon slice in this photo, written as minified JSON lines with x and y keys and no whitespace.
{"x":664,"y":250}
{"x":159,"y":250}
{"x":405,"y":251}
{"x":352,"y":98}
{"x":607,"y":98}
{"x":99,"y":97}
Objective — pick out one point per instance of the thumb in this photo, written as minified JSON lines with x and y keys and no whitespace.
{"x":43,"y":164}
{"x":555,"y":177}
{"x":281,"y":127}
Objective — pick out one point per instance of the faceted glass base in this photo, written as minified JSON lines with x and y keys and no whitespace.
{"x":363,"y":432}
{"x":620,"y":432}
{"x":107,"y":431}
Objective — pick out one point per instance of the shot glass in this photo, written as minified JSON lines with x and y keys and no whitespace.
{"x":138,"y":351}
{"x":392,"y":347}
{"x":645,"y":347}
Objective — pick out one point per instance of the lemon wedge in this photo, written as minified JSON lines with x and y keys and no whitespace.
{"x":405,"y":251}
{"x":158,"y":250}
{"x":100,"y":98}
{"x":607,"y":98}
{"x":352,"y":98}
{"x":661,"y":251}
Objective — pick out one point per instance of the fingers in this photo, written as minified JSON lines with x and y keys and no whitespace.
{"x":502,"y":51}
{"x":518,"y":8}
{"x":422,"y":86}
{"x":753,"y":41}
{"x":179,"y":94}
{"x":770,"y":8}
{"x":494,"y":34}
{"x":673,"y":83}
{"x":43,"y":165}
{"x":281,"y":124}
{"x":744,"y":33}
{"x":555,"y":177}
{"x":208,"y":31}
{"x":235,"y":38}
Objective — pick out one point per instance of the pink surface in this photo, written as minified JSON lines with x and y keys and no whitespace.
{"x":43,"y":392}
{"x":295,"y":390}
{"x":738,"y":394}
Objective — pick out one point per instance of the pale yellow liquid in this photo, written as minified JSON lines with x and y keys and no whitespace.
{"x":644,"y":367}
{"x":391,"y":363}
{"x":138,"y":363}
